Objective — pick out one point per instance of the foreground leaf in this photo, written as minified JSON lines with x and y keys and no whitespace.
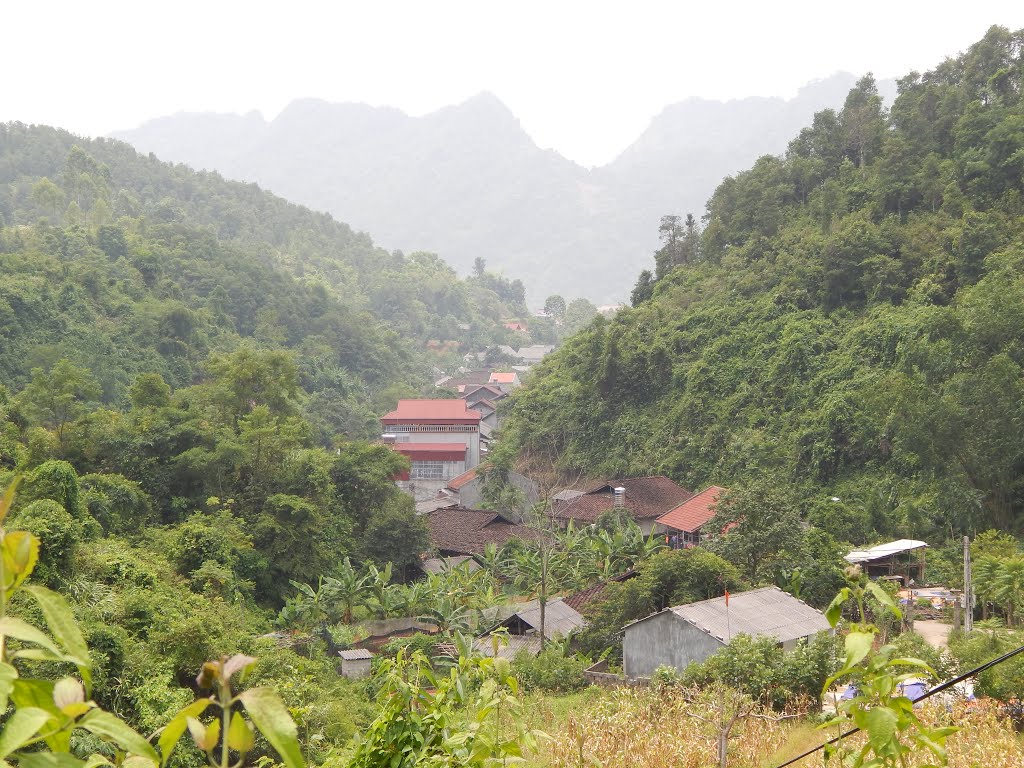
{"x":114,"y":728}
{"x":174,"y":729}
{"x":21,"y":728}
{"x":272,"y":718}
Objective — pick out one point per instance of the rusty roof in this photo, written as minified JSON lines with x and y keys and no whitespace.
{"x":694,"y":512}
{"x":466,"y":477}
{"x":461,"y":531}
{"x":646,"y":498}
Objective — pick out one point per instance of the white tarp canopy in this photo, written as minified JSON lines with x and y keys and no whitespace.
{"x":884,"y":550}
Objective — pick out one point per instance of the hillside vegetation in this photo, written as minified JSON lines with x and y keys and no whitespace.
{"x":849,"y":321}
{"x":127,"y":264}
{"x":189,"y":371}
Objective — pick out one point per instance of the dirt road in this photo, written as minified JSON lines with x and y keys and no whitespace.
{"x":935,"y":632}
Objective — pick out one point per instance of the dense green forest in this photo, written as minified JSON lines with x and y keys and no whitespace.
{"x":189,"y":372}
{"x":848,"y":321}
{"x":125,"y":264}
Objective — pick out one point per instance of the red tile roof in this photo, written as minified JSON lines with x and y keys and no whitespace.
{"x":694,"y":512}
{"x":502,"y":377}
{"x":460,"y":531}
{"x":441,"y":411}
{"x":646,"y":498}
{"x":578,"y":600}
{"x":466,"y":477}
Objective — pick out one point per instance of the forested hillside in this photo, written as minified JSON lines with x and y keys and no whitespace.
{"x":467,"y":181}
{"x":848,"y":321}
{"x":128,"y":264}
{"x":189,"y":369}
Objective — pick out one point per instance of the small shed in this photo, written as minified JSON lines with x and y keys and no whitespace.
{"x":679,"y":636}
{"x":523,"y":627}
{"x":902,"y":560}
{"x":355,"y":663}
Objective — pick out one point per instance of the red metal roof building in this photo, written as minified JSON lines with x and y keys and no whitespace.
{"x":444,"y":411}
{"x":440,"y":437}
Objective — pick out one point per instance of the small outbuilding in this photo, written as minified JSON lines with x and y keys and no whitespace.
{"x":901,"y":560}
{"x":355,"y":663}
{"x":523,"y":627}
{"x":679,"y":636}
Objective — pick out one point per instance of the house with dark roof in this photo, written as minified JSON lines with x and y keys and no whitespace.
{"x":441,"y":438}
{"x":580,"y":600}
{"x":474,"y":393}
{"x":459,"y":531}
{"x":644,"y":498}
{"x":679,"y":636}
{"x":683,"y":524}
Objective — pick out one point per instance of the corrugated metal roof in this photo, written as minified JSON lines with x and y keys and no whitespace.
{"x":559,"y":618}
{"x":444,"y":564}
{"x":884,"y":550}
{"x":759,"y":612}
{"x":516,"y":643}
{"x":355,"y":654}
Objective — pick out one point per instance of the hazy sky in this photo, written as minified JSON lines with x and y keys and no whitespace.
{"x":583,"y":77}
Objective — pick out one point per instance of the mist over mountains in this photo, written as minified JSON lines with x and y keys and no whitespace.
{"x":467,"y":181}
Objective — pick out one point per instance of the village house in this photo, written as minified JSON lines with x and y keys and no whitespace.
{"x":901,"y":560}
{"x":441,"y":438}
{"x":682,"y":526}
{"x":506,"y":381}
{"x":534,"y":353}
{"x":475,"y":393}
{"x":677,"y":637}
{"x":458,"y":531}
{"x":464,"y":379}
{"x":644,"y":498}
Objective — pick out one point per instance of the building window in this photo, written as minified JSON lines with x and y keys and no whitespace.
{"x":427,"y":470}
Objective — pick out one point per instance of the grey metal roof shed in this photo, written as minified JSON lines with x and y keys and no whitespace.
{"x":683,"y":634}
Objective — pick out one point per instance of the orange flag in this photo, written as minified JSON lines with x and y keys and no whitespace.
{"x":727,"y":598}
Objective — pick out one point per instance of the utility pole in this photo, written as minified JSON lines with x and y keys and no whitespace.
{"x":968,"y":588}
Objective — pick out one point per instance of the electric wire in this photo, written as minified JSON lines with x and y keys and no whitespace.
{"x":931,"y":692}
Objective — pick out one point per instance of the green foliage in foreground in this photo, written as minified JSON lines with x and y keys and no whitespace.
{"x":878,"y":707}
{"x":48,"y":713}
{"x":554,"y":670}
{"x":467,"y":717}
{"x":850,"y":326}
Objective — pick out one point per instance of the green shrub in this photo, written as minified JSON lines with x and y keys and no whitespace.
{"x":551,"y":670}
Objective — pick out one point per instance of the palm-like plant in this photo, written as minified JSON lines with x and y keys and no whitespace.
{"x":448,"y":616}
{"x":986,"y":571}
{"x":1009,"y":587}
{"x":347,"y":590}
{"x":378,"y":584}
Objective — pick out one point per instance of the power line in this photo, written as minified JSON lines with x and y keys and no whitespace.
{"x":937,"y":689}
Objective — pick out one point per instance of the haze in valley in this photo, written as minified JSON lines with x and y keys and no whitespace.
{"x":547,"y":139}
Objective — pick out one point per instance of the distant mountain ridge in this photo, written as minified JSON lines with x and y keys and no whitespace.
{"x":467,"y":181}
